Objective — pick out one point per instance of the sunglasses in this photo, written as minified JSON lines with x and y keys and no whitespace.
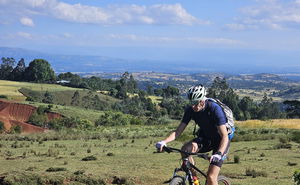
{"x":194,"y":102}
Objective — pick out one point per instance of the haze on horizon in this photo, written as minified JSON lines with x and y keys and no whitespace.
{"x":232,"y":32}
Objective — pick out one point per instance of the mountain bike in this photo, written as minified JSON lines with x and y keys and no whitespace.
{"x":186,"y":169}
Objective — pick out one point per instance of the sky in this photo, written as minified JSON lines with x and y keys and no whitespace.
{"x":153,"y":29}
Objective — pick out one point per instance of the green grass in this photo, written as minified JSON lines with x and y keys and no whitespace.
{"x":134,"y":159}
{"x":10,"y":88}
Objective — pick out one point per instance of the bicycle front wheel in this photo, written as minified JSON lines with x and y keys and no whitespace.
{"x":177,"y":181}
{"x":222,"y":180}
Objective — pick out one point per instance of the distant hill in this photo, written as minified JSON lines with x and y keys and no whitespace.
{"x":253,"y":85}
{"x":207,"y":61}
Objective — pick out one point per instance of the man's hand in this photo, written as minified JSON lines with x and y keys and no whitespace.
{"x":160,"y":145}
{"x":215,"y":158}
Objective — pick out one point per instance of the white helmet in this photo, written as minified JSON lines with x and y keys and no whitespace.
{"x":196,"y":93}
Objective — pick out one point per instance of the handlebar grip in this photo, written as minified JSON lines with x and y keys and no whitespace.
{"x":168,"y":150}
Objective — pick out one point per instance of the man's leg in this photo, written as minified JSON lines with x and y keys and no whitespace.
{"x":190,"y":147}
{"x":212,"y":175}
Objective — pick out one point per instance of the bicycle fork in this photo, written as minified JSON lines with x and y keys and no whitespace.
{"x":185,"y":167}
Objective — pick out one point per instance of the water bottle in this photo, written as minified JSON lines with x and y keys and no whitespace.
{"x":196,"y":181}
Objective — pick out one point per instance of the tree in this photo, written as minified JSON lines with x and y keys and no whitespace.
{"x":248,"y":107}
{"x":292,"y":108}
{"x":6,"y":68}
{"x":218,"y":88}
{"x":48,"y":97}
{"x":268,"y":109}
{"x":221,"y":90}
{"x":75,"y":99}
{"x":18,"y":71}
{"x":40,"y":71}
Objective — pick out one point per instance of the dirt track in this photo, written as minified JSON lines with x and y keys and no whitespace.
{"x":18,"y":114}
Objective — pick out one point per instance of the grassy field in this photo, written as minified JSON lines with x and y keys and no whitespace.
{"x":10,"y":88}
{"x":277,"y":123}
{"x":128,"y":153}
{"x":134,"y":160}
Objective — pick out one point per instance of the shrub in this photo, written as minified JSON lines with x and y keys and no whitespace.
{"x":236,"y":159}
{"x":292,"y":164}
{"x":79,"y":172}
{"x":89,"y":158}
{"x":72,"y":122}
{"x":283,"y":145}
{"x":110,"y":154}
{"x":283,"y":140}
{"x":2,"y":128}
{"x":38,"y":119}
{"x":111,"y":118}
{"x":88,"y":150}
{"x":254,"y":173}
{"x":3,"y":96}
{"x":55,"y":169}
{"x":295,"y":136}
{"x":296,"y":177}
{"x":16,"y":129}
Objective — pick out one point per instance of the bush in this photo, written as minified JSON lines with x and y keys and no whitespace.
{"x":38,"y":119}
{"x":16,"y":129}
{"x":111,"y":118}
{"x":72,"y":122}
{"x":236,"y":159}
{"x":254,"y":173}
{"x":3,"y":96}
{"x":296,"y":177}
{"x":55,"y":169}
{"x":79,"y":172}
{"x":2,"y":128}
{"x":283,"y":146}
{"x":89,"y":158}
{"x":295,"y":136}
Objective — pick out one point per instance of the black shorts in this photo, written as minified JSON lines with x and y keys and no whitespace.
{"x":205,"y":145}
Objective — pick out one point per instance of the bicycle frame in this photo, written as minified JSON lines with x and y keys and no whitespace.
{"x":187,"y":165}
{"x":187,"y":169}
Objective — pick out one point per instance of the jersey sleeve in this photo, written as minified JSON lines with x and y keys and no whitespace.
{"x":187,"y":115}
{"x":219,"y":115}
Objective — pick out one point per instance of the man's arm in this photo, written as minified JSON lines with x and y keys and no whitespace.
{"x":224,"y":138}
{"x":174,"y":134}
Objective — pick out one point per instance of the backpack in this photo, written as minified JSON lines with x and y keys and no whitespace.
{"x":229,"y":116}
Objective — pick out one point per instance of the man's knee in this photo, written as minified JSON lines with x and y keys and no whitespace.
{"x":190,"y":147}
{"x":212,"y":174}
{"x":212,"y":177}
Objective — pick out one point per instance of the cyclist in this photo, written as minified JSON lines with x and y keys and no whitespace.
{"x":212,"y":134}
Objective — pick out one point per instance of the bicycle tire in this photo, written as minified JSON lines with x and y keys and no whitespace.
{"x":222,"y":180}
{"x":177,"y":180}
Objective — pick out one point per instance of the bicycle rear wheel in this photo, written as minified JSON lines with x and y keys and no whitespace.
{"x":177,"y":180}
{"x":222,"y":180}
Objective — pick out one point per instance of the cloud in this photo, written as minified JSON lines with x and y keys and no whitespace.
{"x":26,"y":21}
{"x":178,"y":40}
{"x":270,"y":14}
{"x":24,"y":35}
{"x":160,"y":14}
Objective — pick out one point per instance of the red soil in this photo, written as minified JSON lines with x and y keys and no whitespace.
{"x":12,"y":114}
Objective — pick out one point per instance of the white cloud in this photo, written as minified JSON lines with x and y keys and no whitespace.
{"x":272,"y":14}
{"x":24,"y":35}
{"x":26,"y":21}
{"x":178,"y":40}
{"x":113,"y":14}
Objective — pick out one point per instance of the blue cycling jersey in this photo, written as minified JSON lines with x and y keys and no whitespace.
{"x":207,"y":119}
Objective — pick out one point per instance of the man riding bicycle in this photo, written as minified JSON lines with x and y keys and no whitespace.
{"x":212,"y":135}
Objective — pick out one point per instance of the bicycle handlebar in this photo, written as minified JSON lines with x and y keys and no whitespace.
{"x":170,"y":149}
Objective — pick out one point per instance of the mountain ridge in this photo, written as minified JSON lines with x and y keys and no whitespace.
{"x":94,"y":63}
